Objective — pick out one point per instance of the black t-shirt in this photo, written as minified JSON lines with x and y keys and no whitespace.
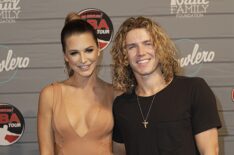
{"x":183,"y":109}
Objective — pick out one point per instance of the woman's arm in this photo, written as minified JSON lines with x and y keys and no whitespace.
{"x":44,"y":117}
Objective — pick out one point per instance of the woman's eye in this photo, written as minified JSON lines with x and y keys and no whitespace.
{"x":73,"y":53}
{"x":89,"y":50}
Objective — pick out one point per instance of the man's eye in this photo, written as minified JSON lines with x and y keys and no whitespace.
{"x":130,"y":47}
{"x":149,"y":43}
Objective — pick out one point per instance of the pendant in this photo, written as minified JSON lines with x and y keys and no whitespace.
{"x":145,"y":123}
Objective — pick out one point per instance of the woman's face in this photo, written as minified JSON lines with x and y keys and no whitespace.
{"x":81,"y":53}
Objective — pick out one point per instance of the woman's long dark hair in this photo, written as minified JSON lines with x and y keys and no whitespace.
{"x":75,"y":26}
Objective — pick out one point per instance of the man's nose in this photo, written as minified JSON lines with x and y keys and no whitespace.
{"x":140,"y":50}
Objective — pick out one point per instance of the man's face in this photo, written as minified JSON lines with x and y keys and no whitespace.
{"x":141,"y":53}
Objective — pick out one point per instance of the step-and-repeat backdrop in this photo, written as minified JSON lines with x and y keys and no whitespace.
{"x":31,"y":55}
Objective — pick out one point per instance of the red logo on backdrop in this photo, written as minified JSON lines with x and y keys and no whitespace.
{"x":11,"y":124}
{"x":233,"y":95}
{"x":101,"y":23}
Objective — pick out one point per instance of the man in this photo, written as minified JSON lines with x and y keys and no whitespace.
{"x":161,"y":113}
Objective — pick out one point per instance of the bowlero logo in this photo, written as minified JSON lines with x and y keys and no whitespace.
{"x":192,"y":56}
{"x":9,"y":11}
{"x":189,"y":8}
{"x":9,"y":64}
{"x":11,"y":124}
{"x":101,"y":23}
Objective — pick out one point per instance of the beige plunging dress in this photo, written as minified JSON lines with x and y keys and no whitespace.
{"x":98,"y":139}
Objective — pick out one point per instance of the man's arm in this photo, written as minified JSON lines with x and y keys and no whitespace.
{"x":118,"y":148}
{"x":207,"y":142}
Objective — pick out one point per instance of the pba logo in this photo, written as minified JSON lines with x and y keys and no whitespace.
{"x":101,"y":23}
{"x":11,"y":124}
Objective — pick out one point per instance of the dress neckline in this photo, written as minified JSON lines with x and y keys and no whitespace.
{"x":70,"y":124}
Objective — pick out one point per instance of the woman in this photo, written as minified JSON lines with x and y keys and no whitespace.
{"x":74,"y":116}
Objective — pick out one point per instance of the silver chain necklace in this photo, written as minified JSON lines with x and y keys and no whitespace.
{"x":145,"y":122}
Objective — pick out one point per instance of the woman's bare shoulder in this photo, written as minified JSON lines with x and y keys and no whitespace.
{"x":112,"y":90}
{"x":46,"y":96}
{"x":48,"y":89}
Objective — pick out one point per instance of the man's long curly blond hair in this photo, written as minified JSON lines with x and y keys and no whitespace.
{"x":123,"y":77}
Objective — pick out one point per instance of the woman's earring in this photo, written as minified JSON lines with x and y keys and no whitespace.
{"x":66,"y":69}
